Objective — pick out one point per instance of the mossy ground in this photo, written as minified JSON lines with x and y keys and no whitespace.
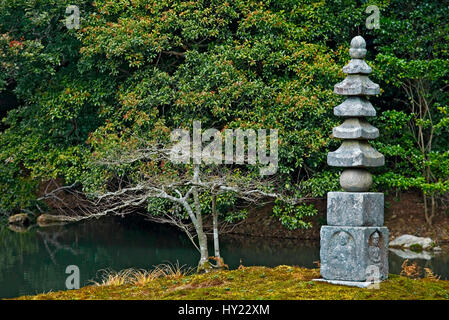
{"x":282,"y":282}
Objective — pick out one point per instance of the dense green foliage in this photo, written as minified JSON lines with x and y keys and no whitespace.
{"x":142,"y":67}
{"x":413,"y":62}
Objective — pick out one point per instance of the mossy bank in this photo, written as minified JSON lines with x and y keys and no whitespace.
{"x":282,"y":282}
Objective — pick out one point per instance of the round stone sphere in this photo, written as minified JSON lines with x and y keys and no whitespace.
{"x":358,"y":48}
{"x":356,"y":180}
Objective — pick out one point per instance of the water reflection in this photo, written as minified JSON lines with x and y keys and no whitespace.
{"x":35,"y":261}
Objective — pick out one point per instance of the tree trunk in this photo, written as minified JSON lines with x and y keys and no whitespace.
{"x":429,"y":217}
{"x":432,"y":209}
{"x":220,"y":262}
{"x":203,"y":265}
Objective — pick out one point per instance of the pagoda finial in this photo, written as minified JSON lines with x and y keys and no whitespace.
{"x":358,"y":48}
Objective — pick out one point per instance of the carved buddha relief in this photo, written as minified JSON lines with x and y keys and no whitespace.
{"x":374,"y":247}
{"x":341,"y":252}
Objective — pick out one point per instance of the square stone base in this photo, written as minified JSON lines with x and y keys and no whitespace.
{"x":359,"y":284}
{"x":355,"y":209}
{"x":354,"y":253}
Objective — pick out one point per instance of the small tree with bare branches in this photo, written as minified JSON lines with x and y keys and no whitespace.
{"x":141,"y":175}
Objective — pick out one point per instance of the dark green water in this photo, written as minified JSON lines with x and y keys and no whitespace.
{"x":35,"y":261}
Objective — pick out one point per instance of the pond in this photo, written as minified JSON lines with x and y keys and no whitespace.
{"x":35,"y":261}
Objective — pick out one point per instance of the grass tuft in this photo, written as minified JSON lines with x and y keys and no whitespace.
{"x":141,"y":277}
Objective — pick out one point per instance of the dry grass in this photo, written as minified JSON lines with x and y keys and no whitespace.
{"x":430,"y":275}
{"x":114,"y":278}
{"x":175,"y":271}
{"x":220,"y":263}
{"x":412,"y":271}
{"x":141,"y":276}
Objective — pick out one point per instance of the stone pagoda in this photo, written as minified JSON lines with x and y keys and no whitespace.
{"x":354,"y":243}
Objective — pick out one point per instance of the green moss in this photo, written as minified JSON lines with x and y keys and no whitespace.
{"x":204,"y":267}
{"x":416,"y":247}
{"x":282,"y":282}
